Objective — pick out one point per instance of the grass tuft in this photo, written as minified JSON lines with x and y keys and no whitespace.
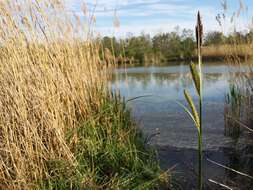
{"x":110,"y":155}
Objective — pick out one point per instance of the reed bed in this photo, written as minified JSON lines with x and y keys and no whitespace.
{"x":232,"y":52}
{"x":59,"y":126}
{"x":238,"y":106}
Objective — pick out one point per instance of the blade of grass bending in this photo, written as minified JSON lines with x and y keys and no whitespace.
{"x":228,"y":168}
{"x":220,"y":184}
{"x":188,"y":112}
{"x":193,"y":108}
{"x":138,"y":97}
{"x":241,"y":124}
{"x":196,"y":77}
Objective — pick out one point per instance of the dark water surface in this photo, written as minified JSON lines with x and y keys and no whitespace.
{"x":177,"y":139}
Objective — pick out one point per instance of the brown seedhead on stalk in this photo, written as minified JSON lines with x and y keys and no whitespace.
{"x":199,"y":31}
{"x":196,"y":115}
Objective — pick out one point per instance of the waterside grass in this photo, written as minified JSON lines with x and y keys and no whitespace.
{"x":110,"y":154}
{"x":60,"y":127}
{"x":195,"y":115}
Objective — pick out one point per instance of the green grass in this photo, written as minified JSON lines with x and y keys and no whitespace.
{"x":110,"y":154}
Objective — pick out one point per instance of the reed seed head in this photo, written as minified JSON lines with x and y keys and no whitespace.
{"x":199,"y":31}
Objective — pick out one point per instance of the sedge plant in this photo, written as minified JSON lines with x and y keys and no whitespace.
{"x":196,"y":116}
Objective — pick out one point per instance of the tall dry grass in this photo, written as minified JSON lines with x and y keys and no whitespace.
{"x":50,"y":80}
{"x":232,"y":53}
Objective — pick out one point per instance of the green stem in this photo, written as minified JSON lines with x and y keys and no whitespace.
{"x":200,"y":184}
{"x":200,"y":147}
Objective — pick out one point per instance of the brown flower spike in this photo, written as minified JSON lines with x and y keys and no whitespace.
{"x":199,"y":31}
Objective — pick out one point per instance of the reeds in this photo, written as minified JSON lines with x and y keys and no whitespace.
{"x":49,"y":81}
{"x":233,"y":109}
{"x":195,"y":115}
{"x":53,"y":97}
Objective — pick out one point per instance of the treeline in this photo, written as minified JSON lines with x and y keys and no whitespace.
{"x":218,"y":38}
{"x":163,"y":47}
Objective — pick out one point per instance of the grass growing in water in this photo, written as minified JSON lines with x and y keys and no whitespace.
{"x":197,"y":78}
{"x":110,"y":154}
{"x":233,"y":109}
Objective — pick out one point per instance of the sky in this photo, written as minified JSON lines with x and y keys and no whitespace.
{"x":156,"y":16}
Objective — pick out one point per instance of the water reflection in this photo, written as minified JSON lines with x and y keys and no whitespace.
{"x":177,"y":141}
{"x":160,"y":111}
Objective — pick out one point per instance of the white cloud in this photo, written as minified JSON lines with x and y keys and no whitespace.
{"x":108,"y":4}
{"x":153,"y":28}
{"x":150,"y":16}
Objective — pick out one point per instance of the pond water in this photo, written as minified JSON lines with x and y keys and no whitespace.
{"x":159,"y":88}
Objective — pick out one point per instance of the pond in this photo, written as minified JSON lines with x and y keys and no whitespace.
{"x":156,"y":110}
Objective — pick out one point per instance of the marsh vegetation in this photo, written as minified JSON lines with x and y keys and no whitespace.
{"x":64,"y":124}
{"x":60,"y":125}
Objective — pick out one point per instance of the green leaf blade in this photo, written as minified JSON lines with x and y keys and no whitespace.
{"x":196,"y":77}
{"x":193,"y":109}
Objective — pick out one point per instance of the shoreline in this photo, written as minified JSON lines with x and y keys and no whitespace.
{"x":239,"y":58}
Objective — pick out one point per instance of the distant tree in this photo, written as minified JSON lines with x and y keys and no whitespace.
{"x":249,"y":36}
{"x":214,"y":38}
{"x":112,"y":44}
{"x":239,"y":38}
{"x":173,"y":45}
{"x":138,"y":47}
{"x":187,"y":33}
{"x":187,"y":43}
{"x":178,"y":44}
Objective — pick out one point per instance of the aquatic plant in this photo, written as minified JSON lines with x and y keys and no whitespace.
{"x":195,"y":115}
{"x":232,"y":111}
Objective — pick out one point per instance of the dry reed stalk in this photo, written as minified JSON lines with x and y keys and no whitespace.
{"x":50,"y":80}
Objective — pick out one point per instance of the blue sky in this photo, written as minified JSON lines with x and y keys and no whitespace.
{"x":154,"y":16}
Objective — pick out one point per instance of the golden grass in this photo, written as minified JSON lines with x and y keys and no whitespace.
{"x":228,"y":51}
{"x":50,"y":80}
